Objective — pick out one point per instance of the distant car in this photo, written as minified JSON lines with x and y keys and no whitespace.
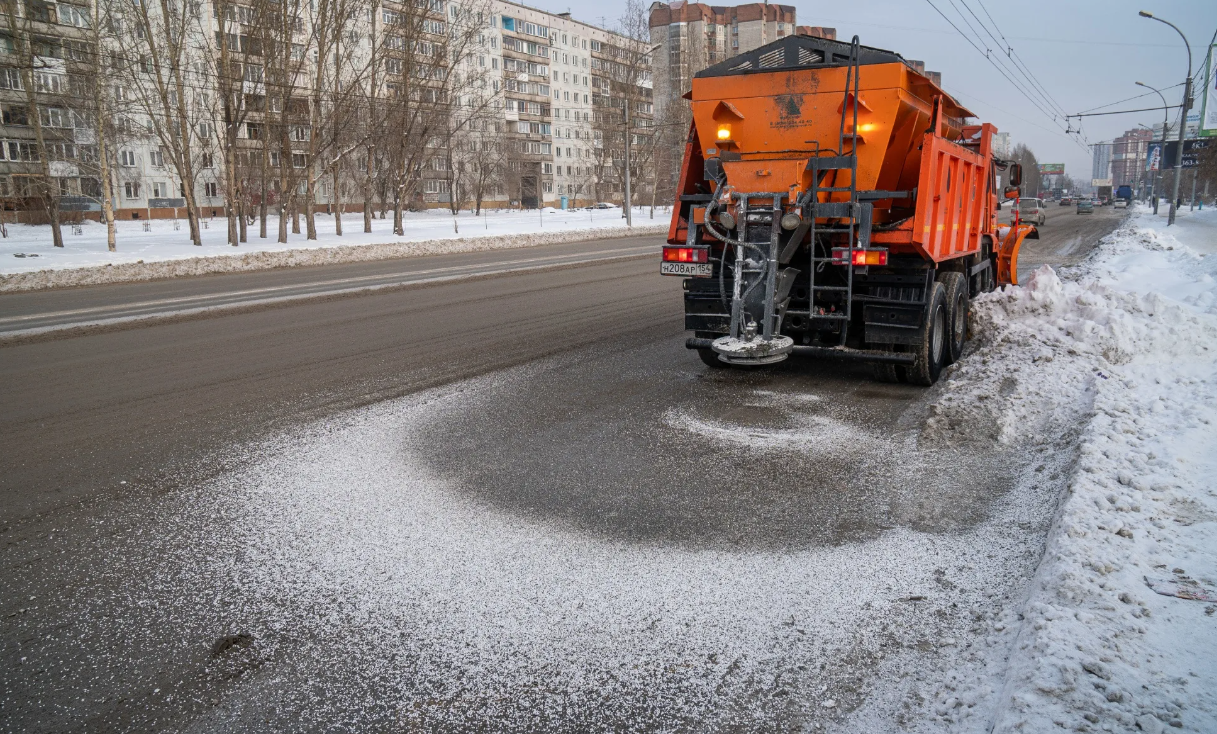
{"x":1032,"y":211}
{"x":605,"y":205}
{"x":1085,"y":206}
{"x":1066,"y":201}
{"x":1121,"y":204}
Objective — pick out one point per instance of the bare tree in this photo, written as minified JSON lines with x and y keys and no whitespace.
{"x":333,"y":93}
{"x":484,"y":160}
{"x":167,"y":51}
{"x":36,"y":76}
{"x":622,"y":89}
{"x":430,"y":79}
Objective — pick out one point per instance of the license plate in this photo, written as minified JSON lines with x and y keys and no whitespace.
{"x":689,"y":270}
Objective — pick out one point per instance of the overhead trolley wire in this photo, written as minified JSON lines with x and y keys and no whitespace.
{"x":1001,"y":70}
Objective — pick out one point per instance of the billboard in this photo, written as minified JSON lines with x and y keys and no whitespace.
{"x":1100,"y":182}
{"x":1052,"y":169}
{"x":1157,"y":159}
{"x":1208,"y":97}
{"x":1153,"y":157}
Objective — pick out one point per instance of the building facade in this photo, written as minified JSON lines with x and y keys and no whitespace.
{"x":543,"y":104}
{"x":689,"y":37}
{"x":1128,"y":157}
{"x":1100,"y":168}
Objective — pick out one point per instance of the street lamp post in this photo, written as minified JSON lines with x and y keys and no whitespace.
{"x":1183,"y":109}
{"x":1165,"y":128}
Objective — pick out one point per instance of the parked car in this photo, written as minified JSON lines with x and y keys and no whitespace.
{"x":1032,"y":211}
{"x":605,"y":205}
{"x":1085,"y":206}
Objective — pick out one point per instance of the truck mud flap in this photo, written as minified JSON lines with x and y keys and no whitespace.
{"x":892,"y":324}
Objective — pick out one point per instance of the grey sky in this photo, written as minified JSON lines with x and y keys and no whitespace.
{"x":1085,"y":54}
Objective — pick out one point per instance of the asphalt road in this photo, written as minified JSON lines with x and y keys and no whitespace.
{"x":505,"y":501}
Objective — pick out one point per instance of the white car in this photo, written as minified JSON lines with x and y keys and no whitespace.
{"x":1121,"y":204}
{"x":1032,"y":211}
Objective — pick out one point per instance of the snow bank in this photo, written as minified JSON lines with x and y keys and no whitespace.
{"x":29,"y":262}
{"x":1115,"y":365}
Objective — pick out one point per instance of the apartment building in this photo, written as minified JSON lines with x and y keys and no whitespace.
{"x":1100,"y":165}
{"x":544,"y":100}
{"x":692,"y":36}
{"x":1128,"y":157}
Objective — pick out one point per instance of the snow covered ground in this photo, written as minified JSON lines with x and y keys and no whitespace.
{"x":1115,"y":363}
{"x":28,"y":248}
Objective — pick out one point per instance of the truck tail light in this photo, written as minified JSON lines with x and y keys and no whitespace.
{"x":858,"y":258}
{"x":686,"y":254}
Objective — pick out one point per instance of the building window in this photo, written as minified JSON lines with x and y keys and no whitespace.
{"x":126,"y":158}
{"x":298,"y":160}
{"x":157,"y":158}
{"x":131,"y":189}
{"x":160,"y":190}
{"x":208,"y":162}
{"x":209,"y":189}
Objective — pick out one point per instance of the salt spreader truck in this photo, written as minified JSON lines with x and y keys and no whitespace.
{"x":834,"y":202}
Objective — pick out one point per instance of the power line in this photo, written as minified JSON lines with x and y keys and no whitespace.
{"x":1000,"y":70}
{"x":1129,"y":99}
{"x":988,"y":55}
{"x":1016,"y":58}
{"x":1046,"y":98}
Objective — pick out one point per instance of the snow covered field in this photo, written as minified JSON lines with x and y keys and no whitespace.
{"x":1116,"y":363}
{"x":28,"y":248}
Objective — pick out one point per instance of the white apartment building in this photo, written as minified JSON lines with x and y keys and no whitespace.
{"x":542,"y":72}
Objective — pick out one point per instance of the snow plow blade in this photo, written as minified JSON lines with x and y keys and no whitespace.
{"x":1008,"y":246}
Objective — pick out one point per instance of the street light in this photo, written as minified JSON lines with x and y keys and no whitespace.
{"x":1183,"y":108}
{"x":1165,"y":127}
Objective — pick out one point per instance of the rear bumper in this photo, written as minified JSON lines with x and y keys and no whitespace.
{"x":843,"y":353}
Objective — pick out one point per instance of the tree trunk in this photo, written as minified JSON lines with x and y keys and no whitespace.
{"x":337,"y":205}
{"x":243,"y":223}
{"x":262,"y":204}
{"x":398,"y":227}
{"x":295,"y":215}
{"x":310,"y":207}
{"x":105,"y":175}
{"x":230,"y":181}
{"x":282,"y":218}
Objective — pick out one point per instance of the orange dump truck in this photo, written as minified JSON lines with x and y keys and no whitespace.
{"x":834,"y":202}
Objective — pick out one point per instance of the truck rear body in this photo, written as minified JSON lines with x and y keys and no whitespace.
{"x":825,"y":187}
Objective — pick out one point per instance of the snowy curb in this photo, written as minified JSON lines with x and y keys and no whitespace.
{"x":1109,"y":368}
{"x":268,"y":260}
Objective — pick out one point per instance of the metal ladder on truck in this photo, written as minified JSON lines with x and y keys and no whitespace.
{"x":853,"y":216}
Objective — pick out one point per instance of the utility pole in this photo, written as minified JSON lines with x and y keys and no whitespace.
{"x":1162,"y":153}
{"x":1183,"y":109}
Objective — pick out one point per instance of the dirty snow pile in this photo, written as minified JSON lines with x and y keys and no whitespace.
{"x":1115,"y":364}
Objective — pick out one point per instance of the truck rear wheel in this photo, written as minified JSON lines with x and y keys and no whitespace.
{"x":956,"y":287}
{"x":930,"y":354}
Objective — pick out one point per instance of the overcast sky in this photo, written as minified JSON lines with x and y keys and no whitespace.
{"x":1085,"y":54}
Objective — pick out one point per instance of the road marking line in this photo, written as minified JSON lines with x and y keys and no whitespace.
{"x":336,"y":281}
{"x":313,"y":295}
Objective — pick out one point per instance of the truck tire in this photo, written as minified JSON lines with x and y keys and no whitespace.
{"x":958,"y":304}
{"x":710,"y":358}
{"x":886,"y":372}
{"x":930,"y":354}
